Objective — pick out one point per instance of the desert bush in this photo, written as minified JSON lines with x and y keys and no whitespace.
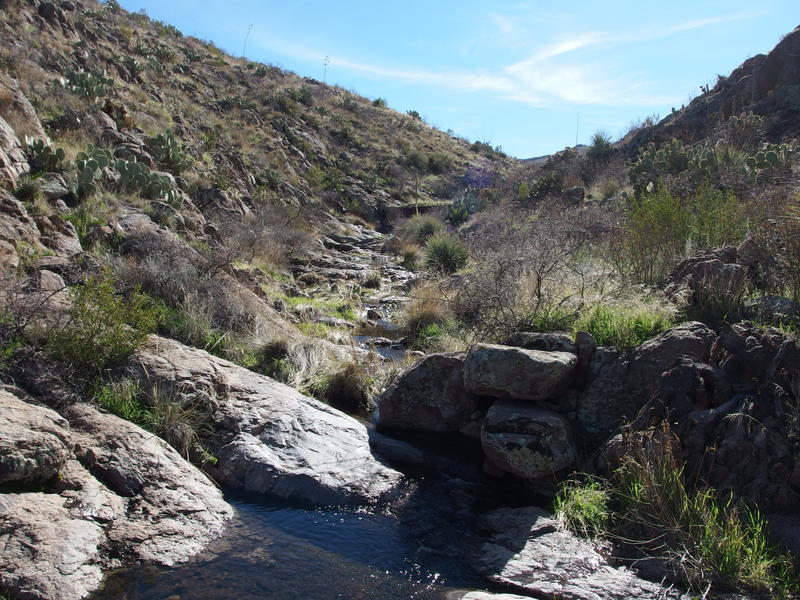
{"x":350,"y":388}
{"x":661,"y":229}
{"x":445,"y":254}
{"x":104,"y":327}
{"x":428,"y":308}
{"x":528,"y":272}
{"x":707,"y":540}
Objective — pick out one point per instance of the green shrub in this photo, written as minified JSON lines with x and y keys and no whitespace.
{"x":623,"y":328}
{"x":122,"y":398}
{"x":445,"y":254}
{"x":424,"y":227}
{"x":705,"y":537}
{"x":379,"y":103}
{"x":104,"y":327}
{"x":660,"y":230}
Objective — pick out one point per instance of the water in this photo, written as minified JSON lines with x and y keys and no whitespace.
{"x":285,"y":552}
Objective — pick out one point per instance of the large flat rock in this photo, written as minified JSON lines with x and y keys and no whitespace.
{"x":268,"y":437}
{"x":527,"y":551}
{"x":119,"y":495}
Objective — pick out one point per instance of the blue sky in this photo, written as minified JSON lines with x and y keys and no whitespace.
{"x":527,"y":76}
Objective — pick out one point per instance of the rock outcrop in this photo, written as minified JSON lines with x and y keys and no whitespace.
{"x":621,"y":384}
{"x":95,"y":492}
{"x":527,"y":551}
{"x":268,"y":437}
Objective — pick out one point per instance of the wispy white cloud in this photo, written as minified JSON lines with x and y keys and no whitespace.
{"x":549,"y":76}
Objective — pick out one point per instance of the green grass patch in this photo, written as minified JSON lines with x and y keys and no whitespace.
{"x":583,"y":507}
{"x":622,"y":327}
{"x":337,"y":307}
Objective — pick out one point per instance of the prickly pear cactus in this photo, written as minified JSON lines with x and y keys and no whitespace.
{"x":91,"y":85}
{"x":43,"y":157}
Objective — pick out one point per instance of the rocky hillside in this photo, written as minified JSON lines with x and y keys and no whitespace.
{"x":215,"y":269}
{"x":767,"y":85}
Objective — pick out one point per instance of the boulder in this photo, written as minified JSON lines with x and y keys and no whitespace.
{"x":17,"y":110}
{"x":34,"y":441}
{"x":122,"y":496}
{"x":526,"y":441}
{"x":428,"y":396}
{"x":267,"y":437}
{"x":48,"y":553}
{"x":527,"y":551}
{"x":506,"y":372}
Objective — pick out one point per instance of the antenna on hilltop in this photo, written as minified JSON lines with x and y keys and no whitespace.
{"x":577,"y":129}
{"x":325,"y":64}
{"x":326,"y":61}
{"x":244,"y":46}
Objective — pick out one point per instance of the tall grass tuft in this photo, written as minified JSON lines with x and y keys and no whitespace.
{"x":707,"y":539}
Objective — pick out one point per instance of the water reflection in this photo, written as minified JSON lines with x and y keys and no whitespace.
{"x":276,"y":550}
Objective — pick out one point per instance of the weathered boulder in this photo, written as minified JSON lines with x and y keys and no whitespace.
{"x":527,"y":551}
{"x":507,"y":372}
{"x":428,"y":396}
{"x":526,"y":441}
{"x":708,"y":280}
{"x":12,"y":159}
{"x":620,"y":384}
{"x":48,"y":553}
{"x":122,"y":496}
{"x":34,"y":440}
{"x":268,"y":437}
{"x":17,"y":110}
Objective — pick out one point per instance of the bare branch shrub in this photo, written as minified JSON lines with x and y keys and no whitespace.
{"x":531,"y":271}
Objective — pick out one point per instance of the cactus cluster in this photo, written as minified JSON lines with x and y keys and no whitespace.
{"x":135,"y":176}
{"x":91,"y":85}
{"x":168,"y":153}
{"x":773,"y":158}
{"x":89,"y":170}
{"x":705,"y":162}
{"x":744,"y":130}
{"x":42,"y":156}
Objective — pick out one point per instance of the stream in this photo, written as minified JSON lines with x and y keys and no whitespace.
{"x":418,"y":548}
